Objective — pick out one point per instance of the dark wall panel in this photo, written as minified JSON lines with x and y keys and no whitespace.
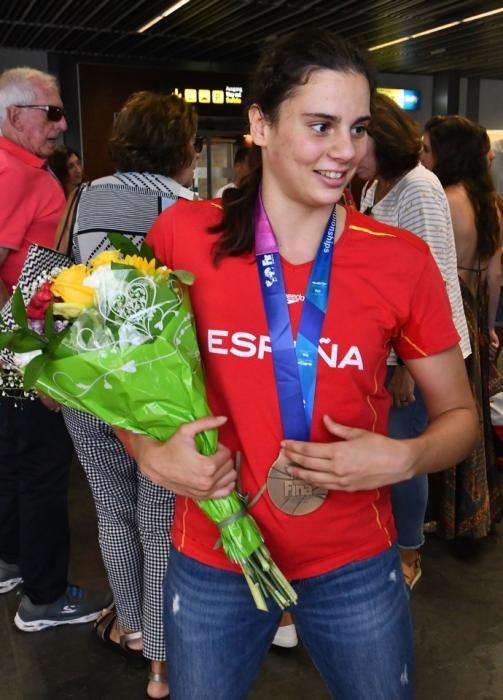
{"x":104,"y":88}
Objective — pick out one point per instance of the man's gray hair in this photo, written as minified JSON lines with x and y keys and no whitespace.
{"x":17,"y":87}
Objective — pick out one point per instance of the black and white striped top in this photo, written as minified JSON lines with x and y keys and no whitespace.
{"x":126,"y":203}
{"x":418,"y":203}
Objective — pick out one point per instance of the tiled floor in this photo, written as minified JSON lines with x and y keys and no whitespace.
{"x":457,"y":606}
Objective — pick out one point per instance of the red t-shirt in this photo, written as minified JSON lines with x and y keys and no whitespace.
{"x":385,"y":291}
{"x":31,"y":204}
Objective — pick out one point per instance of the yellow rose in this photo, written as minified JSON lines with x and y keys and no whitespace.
{"x":141,"y":264}
{"x":108,"y":256}
{"x":69,"y":285}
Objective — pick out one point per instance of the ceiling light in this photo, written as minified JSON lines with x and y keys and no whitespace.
{"x":436,"y":29}
{"x":168,"y":11}
{"x":389,"y":43}
{"x":484,"y":14}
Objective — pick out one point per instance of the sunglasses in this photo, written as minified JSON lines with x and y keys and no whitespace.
{"x":198,"y":144}
{"x":54,"y":114}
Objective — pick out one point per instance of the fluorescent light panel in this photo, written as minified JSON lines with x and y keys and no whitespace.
{"x":390,"y":43}
{"x":168,"y":11}
{"x":436,"y":29}
{"x":484,"y":14}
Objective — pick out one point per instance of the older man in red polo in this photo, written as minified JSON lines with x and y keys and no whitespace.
{"x":35,"y":450}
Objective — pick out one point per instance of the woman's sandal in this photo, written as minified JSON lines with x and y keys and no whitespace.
{"x":103,"y":628}
{"x":157,"y":678}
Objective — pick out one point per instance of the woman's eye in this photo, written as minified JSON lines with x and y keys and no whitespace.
{"x":321,"y":128}
{"x":360,"y":130}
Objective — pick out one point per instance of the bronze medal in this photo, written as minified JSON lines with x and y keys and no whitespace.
{"x":291,"y":495}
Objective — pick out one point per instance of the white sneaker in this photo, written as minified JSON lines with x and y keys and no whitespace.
{"x":286,"y":637}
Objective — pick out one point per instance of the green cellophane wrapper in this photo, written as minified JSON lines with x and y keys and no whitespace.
{"x":149,"y":380}
{"x":133,"y":361}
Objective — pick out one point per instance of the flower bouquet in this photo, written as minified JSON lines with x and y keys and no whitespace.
{"x":116,"y":338}
{"x":39,"y":260}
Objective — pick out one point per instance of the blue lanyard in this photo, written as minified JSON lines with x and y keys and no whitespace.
{"x":294,"y":364}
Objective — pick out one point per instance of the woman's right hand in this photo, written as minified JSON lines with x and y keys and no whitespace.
{"x":401,"y":387}
{"x":178,"y":466}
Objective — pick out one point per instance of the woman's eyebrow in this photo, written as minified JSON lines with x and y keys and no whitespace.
{"x":334,"y":118}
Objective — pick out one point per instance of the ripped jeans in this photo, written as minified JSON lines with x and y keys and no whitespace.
{"x":354,"y":622}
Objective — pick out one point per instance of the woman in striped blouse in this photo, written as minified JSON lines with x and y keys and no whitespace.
{"x":154,"y":146}
{"x":401,"y":192}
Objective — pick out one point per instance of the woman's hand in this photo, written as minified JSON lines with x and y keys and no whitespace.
{"x":494,"y":343}
{"x":365,"y":460}
{"x":48,"y":402}
{"x":361,"y":461}
{"x":179,"y":467}
{"x":401,"y":387}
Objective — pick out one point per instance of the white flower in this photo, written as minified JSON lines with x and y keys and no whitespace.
{"x":99,"y":277}
{"x":21,"y":359}
{"x":107,"y":282}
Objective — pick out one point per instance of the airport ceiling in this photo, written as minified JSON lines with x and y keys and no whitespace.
{"x":232,"y":31}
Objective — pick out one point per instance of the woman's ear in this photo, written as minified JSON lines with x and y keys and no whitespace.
{"x":258,"y":125}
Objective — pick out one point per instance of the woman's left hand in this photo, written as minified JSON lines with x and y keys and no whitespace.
{"x":360,"y":461}
{"x":48,"y":402}
{"x":494,"y":343}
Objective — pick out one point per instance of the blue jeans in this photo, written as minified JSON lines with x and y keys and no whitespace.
{"x":354,"y":622}
{"x":409,"y":498}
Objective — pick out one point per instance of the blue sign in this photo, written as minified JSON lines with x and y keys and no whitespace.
{"x":411,"y":99}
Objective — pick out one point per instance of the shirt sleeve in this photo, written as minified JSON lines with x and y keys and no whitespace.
{"x":424,"y":212}
{"x":429,"y":328}
{"x":14,"y":214}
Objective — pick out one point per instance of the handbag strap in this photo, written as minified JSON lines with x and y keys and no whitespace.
{"x":66,"y":225}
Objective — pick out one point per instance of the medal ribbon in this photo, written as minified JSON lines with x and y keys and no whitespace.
{"x":294,"y":364}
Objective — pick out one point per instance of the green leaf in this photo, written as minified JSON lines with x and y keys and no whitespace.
{"x":24,"y":341}
{"x":146,"y":251}
{"x":122,"y":266}
{"x":33,"y":370}
{"x":184,"y":276}
{"x":5,"y":339}
{"x":55,"y":350}
{"x":122,"y":243}
{"x":18,"y":309}
{"x":49,"y":321}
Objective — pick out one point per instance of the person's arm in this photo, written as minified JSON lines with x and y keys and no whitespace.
{"x":363,"y":460}
{"x":494,"y":291}
{"x":4,"y":292}
{"x":15,"y":216}
{"x":178,"y":466}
